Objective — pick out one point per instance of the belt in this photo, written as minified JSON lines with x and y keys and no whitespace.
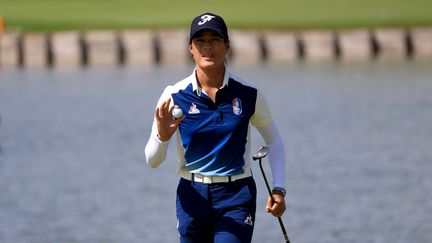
{"x":213,"y":179}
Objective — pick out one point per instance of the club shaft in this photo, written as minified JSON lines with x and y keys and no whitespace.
{"x":271,"y":195}
{"x":283,"y":230}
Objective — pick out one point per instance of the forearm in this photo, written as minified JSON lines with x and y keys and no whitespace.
{"x":276,"y":155}
{"x":277,"y":161}
{"x":155,"y":150}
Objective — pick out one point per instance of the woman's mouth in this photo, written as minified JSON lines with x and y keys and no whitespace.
{"x":208,"y":56}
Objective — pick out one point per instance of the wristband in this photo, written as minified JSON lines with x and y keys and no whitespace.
{"x":280,"y":191}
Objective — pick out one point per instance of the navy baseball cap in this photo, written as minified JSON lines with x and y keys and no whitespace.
{"x":208,"y":21}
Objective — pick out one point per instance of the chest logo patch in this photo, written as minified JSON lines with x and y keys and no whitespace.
{"x":237,"y":106}
{"x":193,"y":109}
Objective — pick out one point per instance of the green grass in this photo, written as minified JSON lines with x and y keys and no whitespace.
{"x":50,"y":15}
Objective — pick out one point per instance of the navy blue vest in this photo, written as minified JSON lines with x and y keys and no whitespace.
{"x":214,"y":134}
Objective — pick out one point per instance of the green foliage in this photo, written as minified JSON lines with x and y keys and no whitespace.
{"x":47,"y":15}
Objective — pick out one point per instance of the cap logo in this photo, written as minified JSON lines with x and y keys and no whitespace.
{"x":206,"y":18}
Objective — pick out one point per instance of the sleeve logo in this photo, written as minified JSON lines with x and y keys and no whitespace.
{"x":237,"y":106}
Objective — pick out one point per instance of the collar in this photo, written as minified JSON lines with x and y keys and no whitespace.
{"x":196,"y":88}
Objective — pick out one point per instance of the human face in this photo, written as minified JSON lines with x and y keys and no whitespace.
{"x":208,"y":49}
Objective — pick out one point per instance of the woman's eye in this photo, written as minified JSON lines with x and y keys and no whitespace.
{"x":198,"y":42}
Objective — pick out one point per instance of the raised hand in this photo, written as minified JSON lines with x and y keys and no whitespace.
{"x":166,"y":124}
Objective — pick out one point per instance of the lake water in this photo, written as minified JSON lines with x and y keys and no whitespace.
{"x":358,"y":139}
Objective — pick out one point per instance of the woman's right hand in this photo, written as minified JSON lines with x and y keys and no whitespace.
{"x":166,"y":123}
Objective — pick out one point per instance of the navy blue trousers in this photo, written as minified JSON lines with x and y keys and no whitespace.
{"x":216,"y":213}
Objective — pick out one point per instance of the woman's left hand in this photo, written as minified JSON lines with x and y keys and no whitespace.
{"x":277,"y":206}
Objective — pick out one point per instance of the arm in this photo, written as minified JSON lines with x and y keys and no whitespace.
{"x":262,"y":120}
{"x":155,"y":150}
{"x":276,"y":156}
{"x":163,"y":128}
{"x":265,"y":125}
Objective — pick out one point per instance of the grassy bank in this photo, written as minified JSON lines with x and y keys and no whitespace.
{"x":50,"y":15}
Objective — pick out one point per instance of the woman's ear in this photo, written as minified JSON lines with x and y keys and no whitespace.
{"x":190,"y":49}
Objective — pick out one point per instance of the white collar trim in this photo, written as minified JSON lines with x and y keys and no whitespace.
{"x":199,"y":90}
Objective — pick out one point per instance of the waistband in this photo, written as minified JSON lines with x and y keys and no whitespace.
{"x":213,"y":179}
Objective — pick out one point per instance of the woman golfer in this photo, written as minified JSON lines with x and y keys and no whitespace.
{"x":216,"y":194}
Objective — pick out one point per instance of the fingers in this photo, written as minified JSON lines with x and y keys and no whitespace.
{"x":269,"y":205}
{"x":166,"y":124}
{"x":276,"y":205}
{"x":163,"y":110}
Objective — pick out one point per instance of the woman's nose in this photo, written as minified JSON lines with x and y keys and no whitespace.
{"x":207,"y":44}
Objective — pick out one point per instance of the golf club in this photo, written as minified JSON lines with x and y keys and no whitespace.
{"x":259,"y":154}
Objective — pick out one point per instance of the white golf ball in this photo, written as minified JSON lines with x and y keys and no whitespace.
{"x":177,"y":113}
